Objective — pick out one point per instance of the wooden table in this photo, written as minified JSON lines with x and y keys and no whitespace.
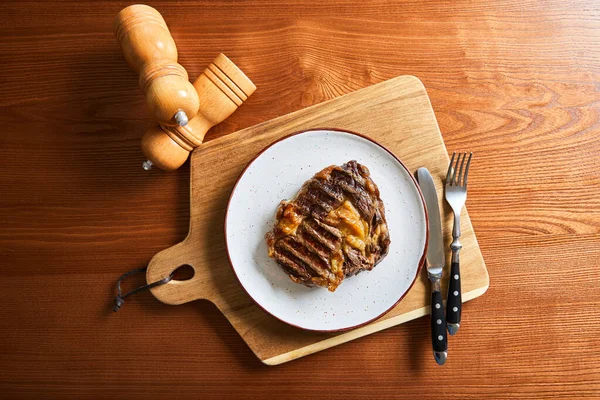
{"x":516,"y":82}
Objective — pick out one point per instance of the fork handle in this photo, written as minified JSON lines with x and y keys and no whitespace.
{"x":454,"y":299}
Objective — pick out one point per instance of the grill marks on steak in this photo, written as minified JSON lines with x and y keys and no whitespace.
{"x":318,"y":199}
{"x":305,"y":256}
{"x":335,"y":227}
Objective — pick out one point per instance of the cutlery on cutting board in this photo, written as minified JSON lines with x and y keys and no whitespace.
{"x":456,"y":196}
{"x":435,"y":266}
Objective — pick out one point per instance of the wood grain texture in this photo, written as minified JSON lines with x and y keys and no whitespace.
{"x":395,"y":113}
{"x":514,"y":81}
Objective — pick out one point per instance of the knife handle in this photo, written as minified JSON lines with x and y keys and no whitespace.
{"x":439,"y":339}
{"x":454,"y":299}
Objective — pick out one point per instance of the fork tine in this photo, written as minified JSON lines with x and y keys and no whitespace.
{"x":467,"y":170}
{"x":455,"y":175}
{"x":448,"y":182}
{"x":462,"y":164}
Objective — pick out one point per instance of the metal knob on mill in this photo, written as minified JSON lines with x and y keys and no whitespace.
{"x":150,"y":51}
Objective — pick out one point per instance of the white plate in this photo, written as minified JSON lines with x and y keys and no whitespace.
{"x":278,"y":173}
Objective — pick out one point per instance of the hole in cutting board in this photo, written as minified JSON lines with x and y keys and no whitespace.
{"x":183,"y":273}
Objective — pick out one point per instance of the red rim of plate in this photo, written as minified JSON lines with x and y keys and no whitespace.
{"x":421,"y":261}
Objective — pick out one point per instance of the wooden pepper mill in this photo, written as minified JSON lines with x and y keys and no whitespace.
{"x":150,"y":51}
{"x":222,"y":88}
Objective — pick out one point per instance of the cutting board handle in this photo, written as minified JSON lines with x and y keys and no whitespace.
{"x":175,"y":291}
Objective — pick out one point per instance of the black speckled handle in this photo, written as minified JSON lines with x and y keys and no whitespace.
{"x":439,"y":339}
{"x":454,"y":299}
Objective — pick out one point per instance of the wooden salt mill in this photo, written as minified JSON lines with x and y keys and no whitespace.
{"x":150,"y":51}
{"x":222,"y":88}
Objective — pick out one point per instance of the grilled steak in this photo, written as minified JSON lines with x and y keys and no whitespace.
{"x":334,"y":228}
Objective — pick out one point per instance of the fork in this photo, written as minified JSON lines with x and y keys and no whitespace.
{"x":456,"y":195}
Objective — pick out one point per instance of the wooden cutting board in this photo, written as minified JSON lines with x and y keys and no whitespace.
{"x":396,"y":113}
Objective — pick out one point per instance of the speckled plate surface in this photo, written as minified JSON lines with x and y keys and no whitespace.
{"x":278,"y":173}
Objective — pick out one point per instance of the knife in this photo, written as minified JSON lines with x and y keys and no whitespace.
{"x":435,"y":266}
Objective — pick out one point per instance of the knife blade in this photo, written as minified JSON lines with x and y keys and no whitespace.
{"x":435,"y":265}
